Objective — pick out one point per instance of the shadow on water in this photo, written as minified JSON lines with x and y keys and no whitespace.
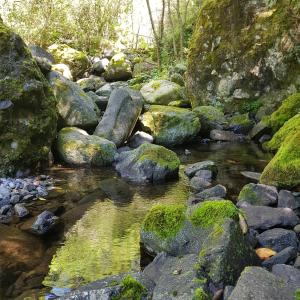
{"x":101,"y":216}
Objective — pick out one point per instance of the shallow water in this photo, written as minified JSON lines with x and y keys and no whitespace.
{"x":101,"y":215}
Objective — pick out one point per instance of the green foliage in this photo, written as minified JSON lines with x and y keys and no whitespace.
{"x":212,"y":212}
{"x":199,"y":294}
{"x":88,"y":25}
{"x":284,"y":169}
{"x":251,"y":106}
{"x":131,"y":289}
{"x":289,"y":108}
{"x":297,"y":294}
{"x":164,"y":220}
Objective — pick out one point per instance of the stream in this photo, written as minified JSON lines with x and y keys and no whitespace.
{"x":100,"y":217}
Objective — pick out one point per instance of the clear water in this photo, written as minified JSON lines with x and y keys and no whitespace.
{"x":101,"y":215}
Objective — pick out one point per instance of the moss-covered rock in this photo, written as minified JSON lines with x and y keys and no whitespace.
{"x":240,"y":123}
{"x":162,"y":92}
{"x":119,"y":68}
{"x":76,"y":60}
{"x":170,"y":125}
{"x":130,"y":289}
{"x":289,"y":128}
{"x":243,"y":50}
{"x":76,"y":147}
{"x":210,"y":213}
{"x":148,"y":163}
{"x":289,"y":108}
{"x":74,"y":106}
{"x":28,"y":114}
{"x":284,"y":169}
{"x":210,"y":118}
{"x":177,"y":78}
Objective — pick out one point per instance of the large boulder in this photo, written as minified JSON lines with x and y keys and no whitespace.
{"x":76,"y":60}
{"x":162,"y":92}
{"x":122,"y":112}
{"x":170,"y":125}
{"x":74,"y":106}
{"x":43,"y":58}
{"x":247,"y":53}
{"x":148,"y":163}
{"x":92,"y":83}
{"x":284,"y":169}
{"x":76,"y":147}
{"x":258,"y":284}
{"x":210,"y":118}
{"x":119,"y":68}
{"x":173,"y":230}
{"x":28,"y":116}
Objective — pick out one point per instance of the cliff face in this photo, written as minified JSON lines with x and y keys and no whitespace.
{"x":245,"y":53}
{"x":27,"y":107}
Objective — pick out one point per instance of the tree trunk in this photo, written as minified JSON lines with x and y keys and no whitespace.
{"x":173,"y":29}
{"x":180,"y":30}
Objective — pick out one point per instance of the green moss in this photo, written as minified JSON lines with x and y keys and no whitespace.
{"x":288,"y":109}
{"x":284,"y":169}
{"x":212,"y":212}
{"x":160,"y":155}
{"x":210,"y":113}
{"x":164,"y":220}
{"x":291,"y":126}
{"x":131,"y":289}
{"x":297,"y":294}
{"x":247,"y":193}
{"x":156,"y":85}
{"x":241,"y":120}
{"x":199,"y":294}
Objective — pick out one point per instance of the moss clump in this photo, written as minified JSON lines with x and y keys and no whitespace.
{"x":241,"y":120}
{"x":160,"y":155}
{"x":210,"y":113}
{"x":164,"y":220}
{"x":199,"y":294}
{"x":289,"y":127}
{"x":212,"y":212}
{"x":284,"y":169}
{"x":247,"y":194}
{"x":131,"y":289}
{"x":288,"y":109}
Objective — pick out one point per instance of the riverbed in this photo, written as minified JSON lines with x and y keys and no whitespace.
{"x":100,"y":217}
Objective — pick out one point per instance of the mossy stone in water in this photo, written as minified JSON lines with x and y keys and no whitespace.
{"x":213,"y":212}
{"x":170,"y":125}
{"x":164,"y":220}
{"x":284,"y":169}
{"x":130,"y":289}
{"x":288,"y":109}
{"x":291,"y":126}
{"x":28,"y":116}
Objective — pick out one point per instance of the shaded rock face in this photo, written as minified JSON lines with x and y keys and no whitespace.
{"x":76,"y":147}
{"x":148,"y":163}
{"x":74,"y":106}
{"x":170,"y":125}
{"x":122,"y":112}
{"x":28,"y":114}
{"x":242,"y":51}
{"x":258,"y":284}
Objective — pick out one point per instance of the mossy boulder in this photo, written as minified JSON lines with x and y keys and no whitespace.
{"x":210,"y":118}
{"x":28,"y":116}
{"x":76,"y":147}
{"x":288,"y":109}
{"x":162,"y":92}
{"x":240,"y":123}
{"x":242,"y":51}
{"x":144,"y":67}
{"x":74,"y":106}
{"x":179,"y":231}
{"x":289,"y":128}
{"x":284,"y":169}
{"x":148,"y":163}
{"x":170,"y":125}
{"x":119,"y":68}
{"x":224,"y":255}
{"x":177,"y":78}
{"x":76,"y":60}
